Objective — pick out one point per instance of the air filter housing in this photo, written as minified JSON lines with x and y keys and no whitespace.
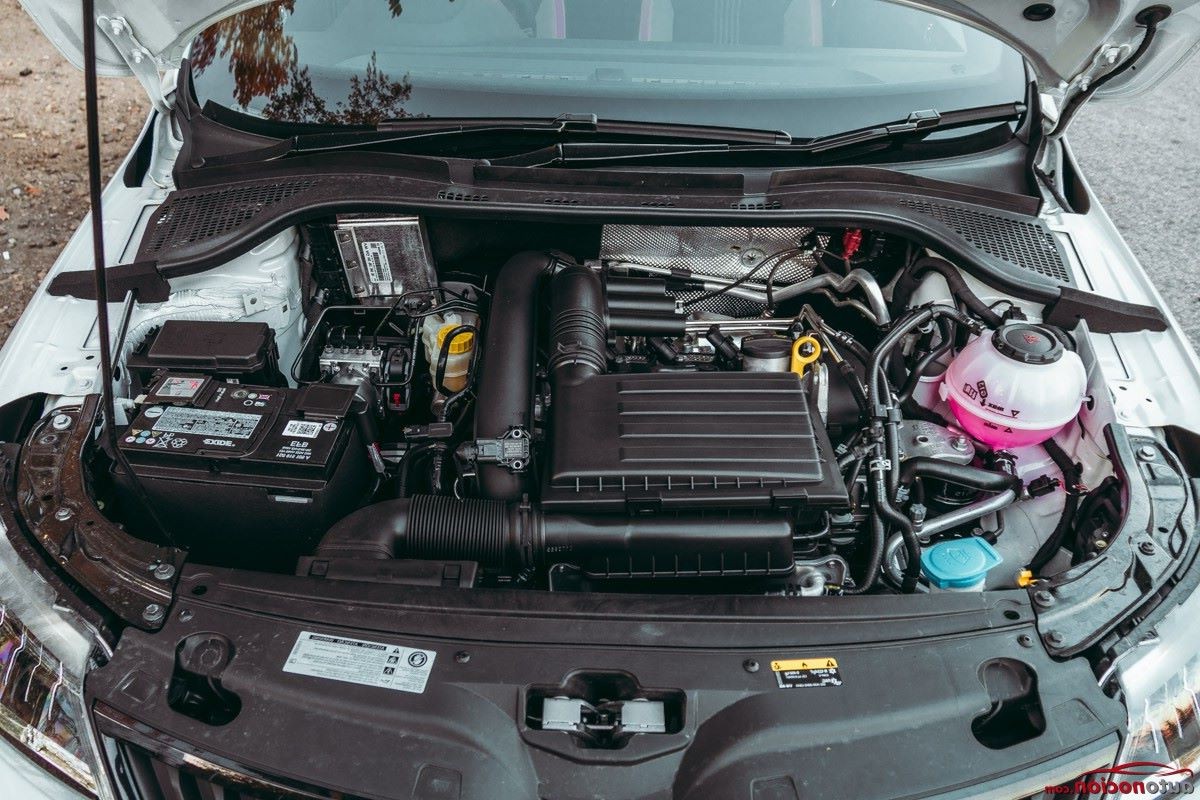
{"x":723,"y":440}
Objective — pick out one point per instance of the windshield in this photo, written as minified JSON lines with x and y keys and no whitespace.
{"x":809,"y":67}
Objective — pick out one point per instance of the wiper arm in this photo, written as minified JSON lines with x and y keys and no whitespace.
{"x":916,"y":125}
{"x":400,"y":132}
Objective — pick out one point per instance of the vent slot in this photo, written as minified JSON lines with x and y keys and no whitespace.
{"x":1023,"y":244}
{"x":187,"y":219}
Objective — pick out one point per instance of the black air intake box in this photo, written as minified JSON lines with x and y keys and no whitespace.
{"x":725,"y":440}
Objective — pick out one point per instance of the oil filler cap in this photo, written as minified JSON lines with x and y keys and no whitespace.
{"x":959,"y":564}
{"x":1029,"y":344}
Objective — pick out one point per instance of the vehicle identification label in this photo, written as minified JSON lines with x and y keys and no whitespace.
{"x":806,"y":673}
{"x":375,"y":259}
{"x":337,"y":658}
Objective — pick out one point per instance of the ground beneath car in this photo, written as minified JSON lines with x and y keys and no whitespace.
{"x":1142,"y":157}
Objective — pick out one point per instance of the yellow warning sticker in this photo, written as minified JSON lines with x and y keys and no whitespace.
{"x":805,"y":673}
{"x":804,"y":663}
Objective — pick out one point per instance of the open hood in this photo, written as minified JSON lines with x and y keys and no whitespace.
{"x":1068,"y":43}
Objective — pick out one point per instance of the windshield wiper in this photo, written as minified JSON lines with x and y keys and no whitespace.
{"x":407,"y":133}
{"x":917,"y":125}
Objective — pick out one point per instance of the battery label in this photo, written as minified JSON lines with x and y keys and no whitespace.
{"x":201,"y":422}
{"x":183,"y":388}
{"x":338,"y":658}
{"x":303,"y":429}
{"x":806,"y":673}
{"x":376,"y":261}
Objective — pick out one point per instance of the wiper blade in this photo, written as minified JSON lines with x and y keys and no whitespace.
{"x":915,"y":126}
{"x":413,"y":131}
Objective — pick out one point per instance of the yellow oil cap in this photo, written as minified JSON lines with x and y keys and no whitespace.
{"x":805,"y":351}
{"x":462,"y":343}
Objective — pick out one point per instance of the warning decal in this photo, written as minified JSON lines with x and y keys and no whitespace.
{"x":337,"y":658}
{"x":806,"y":673}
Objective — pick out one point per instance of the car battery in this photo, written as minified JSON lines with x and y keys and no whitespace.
{"x":247,"y":469}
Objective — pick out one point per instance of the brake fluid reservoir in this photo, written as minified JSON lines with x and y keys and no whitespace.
{"x":1017,"y":387}
{"x":459,"y":350}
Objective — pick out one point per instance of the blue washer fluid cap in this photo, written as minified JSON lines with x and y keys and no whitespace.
{"x":959,"y":563}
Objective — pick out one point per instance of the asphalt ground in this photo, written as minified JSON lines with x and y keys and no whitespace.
{"x":1142,"y":159}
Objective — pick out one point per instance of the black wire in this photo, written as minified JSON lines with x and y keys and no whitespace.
{"x":792,"y":251}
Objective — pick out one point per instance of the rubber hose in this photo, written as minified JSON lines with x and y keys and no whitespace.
{"x":908,"y":282}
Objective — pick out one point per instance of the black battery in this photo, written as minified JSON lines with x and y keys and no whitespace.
{"x":238,"y":352}
{"x":240,"y":473}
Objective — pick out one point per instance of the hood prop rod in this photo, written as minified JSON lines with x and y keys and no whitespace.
{"x":108,"y":403}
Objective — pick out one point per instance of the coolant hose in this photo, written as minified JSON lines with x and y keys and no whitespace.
{"x":505,"y":385}
{"x":985,"y":480}
{"x":908,"y":282}
{"x":515,"y":536}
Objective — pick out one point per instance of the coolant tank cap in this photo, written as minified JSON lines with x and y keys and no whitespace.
{"x":1030,"y":344}
{"x":959,"y":564}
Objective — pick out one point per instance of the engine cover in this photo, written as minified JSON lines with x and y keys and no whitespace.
{"x":725,"y":440}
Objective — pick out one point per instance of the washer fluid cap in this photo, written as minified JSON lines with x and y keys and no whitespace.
{"x":961,"y":564}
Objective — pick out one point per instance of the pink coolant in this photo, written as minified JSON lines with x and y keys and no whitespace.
{"x":1016,"y":387}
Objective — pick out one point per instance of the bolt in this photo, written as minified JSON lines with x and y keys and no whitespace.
{"x":63,"y":514}
{"x":1147,"y":452}
{"x":1146,"y":548}
{"x":1101,"y":544}
{"x":186,"y":615}
{"x":1055,"y":638}
{"x":462,"y":657}
{"x":164,"y":572}
{"x":116,"y":26}
{"x":1043,"y":598}
{"x":154,"y":613}
{"x":960,"y":444}
{"x":750,"y":665}
{"x":1025,"y":640}
{"x":61,"y":422}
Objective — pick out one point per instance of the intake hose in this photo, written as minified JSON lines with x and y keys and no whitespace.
{"x":517,"y":535}
{"x":505,"y":384}
{"x":578,"y":330}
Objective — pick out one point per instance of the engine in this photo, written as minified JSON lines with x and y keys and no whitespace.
{"x":735,"y":409}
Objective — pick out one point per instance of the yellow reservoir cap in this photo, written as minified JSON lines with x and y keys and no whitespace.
{"x":462,"y":343}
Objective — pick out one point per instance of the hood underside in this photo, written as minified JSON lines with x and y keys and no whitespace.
{"x":1068,"y":43}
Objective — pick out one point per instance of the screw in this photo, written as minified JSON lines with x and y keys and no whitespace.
{"x":960,"y":443}
{"x":1147,"y":452}
{"x":750,"y":665}
{"x":154,"y":613}
{"x":1101,"y":544}
{"x":1025,"y":640}
{"x":1055,"y":638}
{"x":63,"y":514}
{"x":186,"y":615}
{"x":61,"y":422}
{"x":1043,"y":598}
{"x":462,"y":657}
{"x":1146,"y":548}
{"x":164,"y":572}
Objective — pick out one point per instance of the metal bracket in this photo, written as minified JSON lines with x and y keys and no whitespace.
{"x":141,"y":62}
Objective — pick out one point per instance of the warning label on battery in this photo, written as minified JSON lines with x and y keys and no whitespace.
{"x":806,"y":673}
{"x":376,"y":261}
{"x":337,"y":658}
{"x":182,"y":387}
{"x":224,"y":424}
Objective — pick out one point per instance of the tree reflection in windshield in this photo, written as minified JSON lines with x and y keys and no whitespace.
{"x":264,"y":63}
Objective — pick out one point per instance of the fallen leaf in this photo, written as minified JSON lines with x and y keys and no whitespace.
{"x":32,"y":190}
{"x":3,"y":214}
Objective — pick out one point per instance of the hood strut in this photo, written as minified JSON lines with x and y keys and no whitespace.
{"x":95,"y":187}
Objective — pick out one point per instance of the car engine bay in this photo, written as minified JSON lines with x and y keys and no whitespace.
{"x":798,"y":411}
